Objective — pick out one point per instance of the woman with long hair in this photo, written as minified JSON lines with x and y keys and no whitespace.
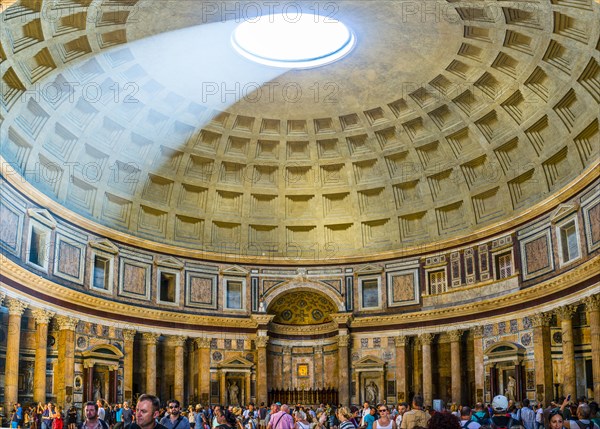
{"x":344,"y":415}
{"x":443,"y":420}
{"x":57,"y":422}
{"x":555,"y":420}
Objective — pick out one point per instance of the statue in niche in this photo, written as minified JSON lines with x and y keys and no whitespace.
{"x":29,"y":377}
{"x":510,"y":388}
{"x":372,"y":392}
{"x":97,"y":389}
{"x":233,"y":390}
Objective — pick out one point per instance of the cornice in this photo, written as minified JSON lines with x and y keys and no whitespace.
{"x":588,"y":176}
{"x":112,"y":309}
{"x":302,"y":330}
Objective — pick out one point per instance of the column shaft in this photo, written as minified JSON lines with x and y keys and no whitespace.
{"x":129,"y":338}
{"x":223,"y":388}
{"x":318,"y":367}
{"x":542,"y":355}
{"x":262,"y":370}
{"x":566,"y":325}
{"x":151,"y":340}
{"x":13,"y":344}
{"x":593,"y":308}
{"x":479,"y":368}
{"x":455,"y":366}
{"x":401,"y":369}
{"x":42,"y":318}
{"x":344,"y":385}
{"x":178,"y":374}
{"x":203,"y":369}
{"x":426,"y":340}
{"x":66,"y":361}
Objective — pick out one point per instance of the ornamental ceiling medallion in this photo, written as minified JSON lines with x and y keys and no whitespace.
{"x":302,"y":308}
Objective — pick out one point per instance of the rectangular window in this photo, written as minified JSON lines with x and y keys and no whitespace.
{"x":568,"y":241}
{"x":234,"y":295}
{"x":437,"y":282}
{"x":101,"y":272}
{"x":37,"y":247}
{"x":167,"y":287}
{"x":370,"y":293}
{"x":504,"y":266}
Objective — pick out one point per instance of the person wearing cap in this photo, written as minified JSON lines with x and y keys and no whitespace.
{"x":501,"y":418}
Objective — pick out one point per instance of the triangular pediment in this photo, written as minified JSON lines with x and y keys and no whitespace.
{"x":237,"y":362}
{"x":235,"y":270}
{"x":369,"y":269}
{"x":43,"y":216}
{"x":105,"y":246}
{"x":369,"y":362}
{"x":562,"y":211}
{"x":170,"y":262}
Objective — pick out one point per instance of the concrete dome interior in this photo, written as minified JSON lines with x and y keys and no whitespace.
{"x":421,"y":216}
{"x":446,"y":120}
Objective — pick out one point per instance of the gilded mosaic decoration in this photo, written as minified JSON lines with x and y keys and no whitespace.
{"x":302,"y":308}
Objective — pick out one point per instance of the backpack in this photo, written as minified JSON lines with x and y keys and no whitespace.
{"x":481,"y":420}
{"x":468,"y":423}
{"x":508,"y":425}
{"x":587,"y":426}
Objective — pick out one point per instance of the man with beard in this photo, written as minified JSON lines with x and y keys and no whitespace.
{"x":174,"y":419}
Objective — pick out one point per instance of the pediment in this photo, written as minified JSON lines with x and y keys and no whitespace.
{"x":562,"y":211}
{"x":369,"y":362}
{"x":235,"y":270}
{"x":170,"y":262}
{"x":369,"y":269}
{"x":237,"y":362}
{"x":43,"y":216}
{"x":105,"y":246}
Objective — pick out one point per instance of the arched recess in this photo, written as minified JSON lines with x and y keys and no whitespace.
{"x":101,"y":369}
{"x":304,"y":285}
{"x":506,"y":370}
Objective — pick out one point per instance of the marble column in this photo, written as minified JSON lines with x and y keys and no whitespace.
{"x":426,"y":340}
{"x":13,"y":343}
{"x":151,"y":341}
{"x":318,"y":352}
{"x":455,"y":366}
{"x":542,"y":356}
{"x":203,"y":344}
{"x":128,"y":339}
{"x":247,"y":389}
{"x":262,"y":384}
{"x":417,"y":366}
{"x":42,"y":318}
{"x":401,"y":342}
{"x":178,"y":342}
{"x":287,"y":367}
{"x":66,"y":361}
{"x":592,"y":304}
{"x":479,"y":368}
{"x":568,"y":362}
{"x":223,"y":388}
{"x":343,"y":370}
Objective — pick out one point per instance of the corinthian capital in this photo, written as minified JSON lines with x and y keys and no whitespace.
{"x":150,"y":337}
{"x":427,"y":338}
{"x":15,"y":307}
{"x":592,"y":303}
{"x":477,"y":331}
{"x":343,"y":340}
{"x":42,"y":316}
{"x":262,"y":341}
{"x":540,"y":319}
{"x":66,"y":323}
{"x":177,"y":341}
{"x":128,"y":334}
{"x":401,"y":340}
{"x":455,"y":335}
{"x":203,"y":343}
{"x":565,"y":312}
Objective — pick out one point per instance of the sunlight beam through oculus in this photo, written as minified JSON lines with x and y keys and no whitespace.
{"x":302,"y":42}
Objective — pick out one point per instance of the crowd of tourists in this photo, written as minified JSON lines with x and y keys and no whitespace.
{"x":149,"y":413}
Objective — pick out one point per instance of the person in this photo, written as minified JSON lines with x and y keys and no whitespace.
{"x":300,"y":418}
{"x":126,"y":415}
{"x":146,"y":413}
{"x":365,"y":412}
{"x":480,"y":415}
{"x":416,"y":416}
{"x":402,"y":409}
{"x":191,"y":416}
{"x":443,"y":420}
{"x":174,"y":419}
{"x":281,"y":419}
{"x":465,"y":419}
{"x":57,"y":418}
{"x":72,"y":417}
{"x":47,"y":416}
{"x":555,"y":420}
{"x":527,"y":415}
{"x":225,"y":419}
{"x":384,"y":421}
{"x":500,"y":419}
{"x":91,"y":417}
{"x":583,"y":417}
{"x":262,"y":415}
{"x":101,"y":410}
{"x":345,"y":416}
{"x":369,"y":419}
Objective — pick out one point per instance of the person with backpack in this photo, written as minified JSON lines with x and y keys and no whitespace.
{"x":480,"y":415}
{"x":583,"y":417}
{"x":465,"y":419}
{"x":501,"y":419}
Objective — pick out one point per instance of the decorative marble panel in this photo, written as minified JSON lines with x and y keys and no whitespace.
{"x":536,"y":254}
{"x":403,"y":288}
{"x":134,"y":278}
{"x":11,"y":227}
{"x":591,"y":221}
{"x":200,"y":290}
{"x":68,"y":261}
